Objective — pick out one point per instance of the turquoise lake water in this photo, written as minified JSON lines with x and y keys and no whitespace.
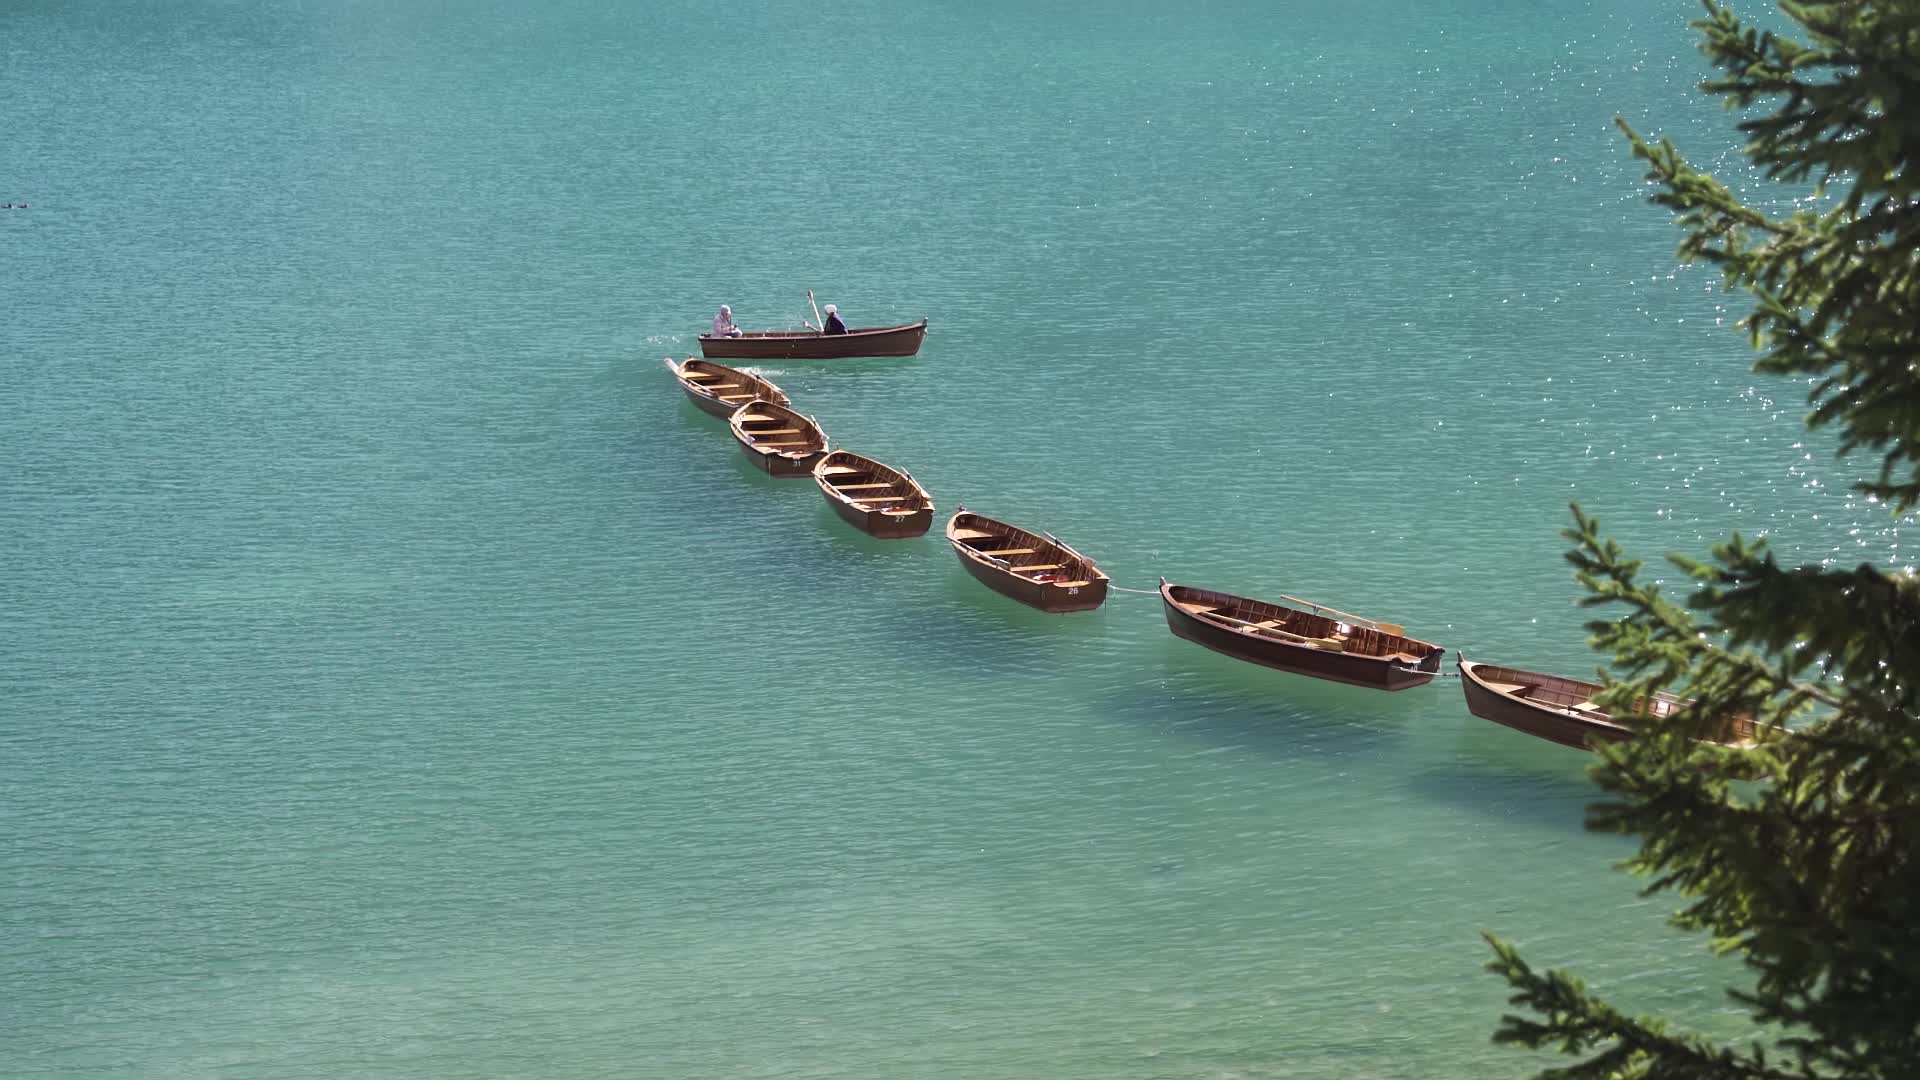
{"x":401,"y":679}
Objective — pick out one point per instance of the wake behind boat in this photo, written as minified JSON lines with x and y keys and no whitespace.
{"x":1306,"y":639}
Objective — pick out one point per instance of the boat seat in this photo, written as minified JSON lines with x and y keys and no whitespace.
{"x":725,"y":386}
{"x":861,"y":487}
{"x":1041,"y":566}
{"x":838,"y":470}
{"x":1513,"y":688}
{"x":750,"y":417}
{"x":698,"y":375}
{"x":970,"y":534}
{"x":785,"y":442}
{"x":1009,"y":551}
{"x":1199,"y":609}
{"x":733,"y":397}
{"x":775,"y":431}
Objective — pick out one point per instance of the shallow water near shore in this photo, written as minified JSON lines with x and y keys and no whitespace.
{"x":403,"y":679}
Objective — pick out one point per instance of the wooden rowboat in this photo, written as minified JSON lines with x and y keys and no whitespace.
{"x":1561,"y":710}
{"x":876,"y":499}
{"x":814,"y":345}
{"x":1037,"y":569}
{"x":1302,"y":637}
{"x":777,"y":439}
{"x":720,"y":390}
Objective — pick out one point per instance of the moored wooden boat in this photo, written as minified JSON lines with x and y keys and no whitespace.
{"x":1037,"y":569}
{"x":876,"y":499}
{"x":1301,"y":637}
{"x":1561,"y":710}
{"x":717,"y":389}
{"x":777,"y":439}
{"x":903,"y":340}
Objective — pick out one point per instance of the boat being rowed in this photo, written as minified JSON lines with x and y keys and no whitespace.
{"x":902,"y":340}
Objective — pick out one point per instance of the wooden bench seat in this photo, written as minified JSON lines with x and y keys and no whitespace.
{"x":1009,"y":551}
{"x":751,"y":417}
{"x":861,"y":487}
{"x":698,"y":375}
{"x":734,"y":397}
{"x":970,"y":534}
{"x":757,"y":432}
{"x":838,"y":470}
{"x":786,"y":442}
{"x":1042,"y":566}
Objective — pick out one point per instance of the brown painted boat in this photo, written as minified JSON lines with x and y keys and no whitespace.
{"x":1561,"y":710}
{"x":717,"y":389}
{"x":1302,"y":637}
{"x":1037,"y":569}
{"x":777,"y":439}
{"x":876,"y":499}
{"x":813,"y":345}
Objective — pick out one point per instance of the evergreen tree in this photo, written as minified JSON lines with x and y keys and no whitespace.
{"x":1797,"y":853}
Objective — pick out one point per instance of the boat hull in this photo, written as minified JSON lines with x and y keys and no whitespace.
{"x":883,"y":526}
{"x":876,"y":341}
{"x":709,"y":405}
{"x":782,"y":465}
{"x":1046,"y":597}
{"x":1374,"y":673}
{"x":1567,"y":716}
{"x":1532,"y":719}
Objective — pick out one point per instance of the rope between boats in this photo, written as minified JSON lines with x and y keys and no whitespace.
{"x":1142,"y":592}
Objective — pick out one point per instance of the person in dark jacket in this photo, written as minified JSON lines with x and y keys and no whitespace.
{"x":834,"y":325}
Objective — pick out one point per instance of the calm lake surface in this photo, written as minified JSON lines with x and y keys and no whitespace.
{"x":398,"y":678}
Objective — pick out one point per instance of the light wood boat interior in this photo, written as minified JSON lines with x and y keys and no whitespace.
{"x":1575,"y":698}
{"x":717,"y":383}
{"x":778,"y":429}
{"x":1024,"y":554}
{"x":1304,"y":628}
{"x":871,"y":485}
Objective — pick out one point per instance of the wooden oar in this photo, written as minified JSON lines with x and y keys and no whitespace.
{"x":1386,"y":628}
{"x":816,"y":312}
{"x":1064,"y":546}
{"x":1327,"y":644}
